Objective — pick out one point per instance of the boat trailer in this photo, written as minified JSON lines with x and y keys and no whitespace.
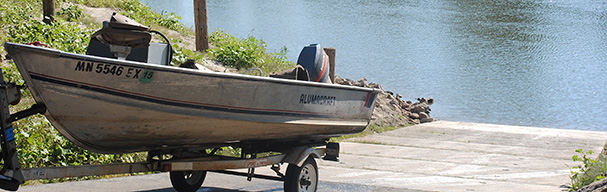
{"x":187,"y":170}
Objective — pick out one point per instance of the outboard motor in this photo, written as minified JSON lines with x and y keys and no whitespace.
{"x":124,"y":38}
{"x":314,"y":59}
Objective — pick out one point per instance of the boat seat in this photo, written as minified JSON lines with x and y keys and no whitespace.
{"x":124,"y":38}
{"x":123,"y":31}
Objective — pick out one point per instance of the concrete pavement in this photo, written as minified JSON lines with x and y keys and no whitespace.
{"x":455,"y":156}
{"x":437,"y":156}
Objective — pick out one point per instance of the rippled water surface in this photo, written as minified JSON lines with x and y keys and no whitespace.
{"x":537,"y":63}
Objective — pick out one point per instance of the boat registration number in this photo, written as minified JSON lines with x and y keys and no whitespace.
{"x":144,"y":76}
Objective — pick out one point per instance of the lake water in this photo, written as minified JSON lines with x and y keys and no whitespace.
{"x":525,"y":62}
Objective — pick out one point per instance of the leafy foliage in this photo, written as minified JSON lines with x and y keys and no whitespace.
{"x":181,"y":55}
{"x":589,"y":171}
{"x":60,"y":35}
{"x":141,"y":13}
{"x":72,"y":13}
{"x":246,"y":53}
{"x":20,"y":25}
{"x":12,"y":13}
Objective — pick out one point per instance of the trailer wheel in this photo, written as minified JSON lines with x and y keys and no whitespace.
{"x":304,"y":178}
{"x":186,"y":181}
{"x":9,"y":184}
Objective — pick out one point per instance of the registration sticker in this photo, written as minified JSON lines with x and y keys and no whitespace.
{"x":147,"y":76}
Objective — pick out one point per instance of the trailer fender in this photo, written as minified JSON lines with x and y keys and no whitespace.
{"x":299,"y":155}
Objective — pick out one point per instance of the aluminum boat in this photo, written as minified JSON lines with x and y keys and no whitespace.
{"x":113,"y":106}
{"x":123,"y":96}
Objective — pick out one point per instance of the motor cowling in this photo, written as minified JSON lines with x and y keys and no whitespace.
{"x":314,"y":59}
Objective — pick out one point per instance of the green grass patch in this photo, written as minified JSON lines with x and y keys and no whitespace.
{"x":589,"y":171}
{"x":371,"y":129}
{"x":246,"y":53}
{"x":141,"y":13}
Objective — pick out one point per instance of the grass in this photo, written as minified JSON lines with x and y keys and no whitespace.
{"x":246,"y":53}
{"x":141,"y":13}
{"x":371,"y":129}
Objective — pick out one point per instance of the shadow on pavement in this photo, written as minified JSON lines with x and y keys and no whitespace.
{"x":322,"y":186}
{"x":209,"y":189}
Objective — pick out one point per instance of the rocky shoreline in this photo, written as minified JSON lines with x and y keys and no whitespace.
{"x":390,"y":109}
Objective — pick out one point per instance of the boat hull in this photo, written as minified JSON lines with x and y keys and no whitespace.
{"x":115,"y":106}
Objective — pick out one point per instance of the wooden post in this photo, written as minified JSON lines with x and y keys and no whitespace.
{"x":200,"y":20}
{"x":331,"y":53}
{"x":48,"y":7}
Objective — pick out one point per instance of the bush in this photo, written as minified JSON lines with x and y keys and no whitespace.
{"x":60,"y":35}
{"x":589,"y":171}
{"x":246,"y":53}
{"x":72,"y":13}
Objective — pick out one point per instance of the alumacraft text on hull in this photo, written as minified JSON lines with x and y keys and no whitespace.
{"x":123,"y":97}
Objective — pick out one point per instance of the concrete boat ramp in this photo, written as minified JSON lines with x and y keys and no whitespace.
{"x":456,"y":156}
{"x":437,"y":156}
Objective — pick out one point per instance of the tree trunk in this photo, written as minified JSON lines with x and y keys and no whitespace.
{"x":48,"y":7}
{"x":200,"y":20}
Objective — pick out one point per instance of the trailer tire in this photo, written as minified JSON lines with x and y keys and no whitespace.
{"x":9,"y":184}
{"x":304,"y":178}
{"x":187,"y":181}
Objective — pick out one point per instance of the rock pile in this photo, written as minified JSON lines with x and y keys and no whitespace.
{"x":419,"y":111}
{"x":390,"y":110}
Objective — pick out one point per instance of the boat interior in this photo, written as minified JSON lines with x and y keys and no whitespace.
{"x":125,"y":39}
